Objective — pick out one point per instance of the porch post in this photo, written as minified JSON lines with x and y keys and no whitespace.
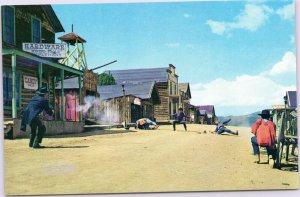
{"x":54,"y":96}
{"x":62,"y":77}
{"x":40,"y":74}
{"x":80,"y":98}
{"x":14,"y":101}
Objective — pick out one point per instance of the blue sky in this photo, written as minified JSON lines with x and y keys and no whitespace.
{"x":236,"y":55}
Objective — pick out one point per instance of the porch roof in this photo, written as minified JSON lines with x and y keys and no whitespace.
{"x":41,"y":60}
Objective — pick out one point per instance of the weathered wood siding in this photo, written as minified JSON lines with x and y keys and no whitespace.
{"x":161,"y":110}
{"x":112,"y":111}
{"x":23,"y":17}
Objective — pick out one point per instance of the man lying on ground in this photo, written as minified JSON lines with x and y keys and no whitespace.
{"x":222,"y":129}
{"x":144,"y":123}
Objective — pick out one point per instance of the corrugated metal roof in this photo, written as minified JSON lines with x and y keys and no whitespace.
{"x":292,"y":98}
{"x":71,"y":83}
{"x":207,"y":108}
{"x":137,"y":76}
{"x":142,"y":90}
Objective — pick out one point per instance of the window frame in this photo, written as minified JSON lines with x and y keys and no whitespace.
{"x":19,"y":76}
{"x":4,"y":25}
{"x":32,"y":38}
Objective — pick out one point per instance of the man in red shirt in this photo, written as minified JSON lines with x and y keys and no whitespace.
{"x":265,"y":136}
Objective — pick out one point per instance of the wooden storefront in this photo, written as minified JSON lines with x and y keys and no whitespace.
{"x":140,"y":101}
{"x":184,"y":99}
{"x":114,"y":111}
{"x":24,"y":72}
{"x":166,"y":81}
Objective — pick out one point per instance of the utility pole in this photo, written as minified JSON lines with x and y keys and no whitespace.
{"x":124,"y":106}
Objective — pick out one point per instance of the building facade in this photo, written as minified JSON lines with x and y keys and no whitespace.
{"x":207,"y":114}
{"x":31,"y":27}
{"x":166,"y":81}
{"x":129,"y":102}
{"x":184,"y":100}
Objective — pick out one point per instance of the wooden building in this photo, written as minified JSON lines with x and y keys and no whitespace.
{"x":135,"y":102}
{"x":202,"y":117}
{"x":291,"y":99}
{"x":185,"y":98}
{"x":208,"y":113}
{"x":166,"y":81}
{"x":33,"y":28}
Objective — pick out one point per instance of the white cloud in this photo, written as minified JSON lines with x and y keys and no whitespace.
{"x":173,"y":45}
{"x":246,"y":92}
{"x":286,"y":65}
{"x":287,"y":12}
{"x":251,"y":18}
{"x":243,"y":91}
{"x":187,"y":15}
{"x":217,"y":27}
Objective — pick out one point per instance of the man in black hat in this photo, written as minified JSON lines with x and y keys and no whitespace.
{"x":265,"y":136}
{"x":35,"y":106}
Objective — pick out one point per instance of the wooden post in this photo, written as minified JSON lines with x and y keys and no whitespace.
{"x":14,"y":101}
{"x":80,"y":98}
{"x":54,"y":96}
{"x":62,"y":112}
{"x":40,"y":74}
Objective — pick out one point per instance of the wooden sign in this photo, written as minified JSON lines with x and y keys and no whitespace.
{"x":30,"y":82}
{"x":90,"y":81}
{"x":46,"y":49}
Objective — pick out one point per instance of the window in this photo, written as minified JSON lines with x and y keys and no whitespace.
{"x":7,"y":88}
{"x":9,"y":24}
{"x":36,"y":30}
{"x":171,"y":88}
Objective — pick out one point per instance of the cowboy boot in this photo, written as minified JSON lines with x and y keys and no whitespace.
{"x":31,"y":140}
{"x":36,"y":143}
{"x":41,"y":133}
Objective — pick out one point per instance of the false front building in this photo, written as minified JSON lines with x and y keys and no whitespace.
{"x":166,"y":82}
{"x":30,"y":60}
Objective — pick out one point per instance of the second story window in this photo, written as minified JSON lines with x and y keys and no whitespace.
{"x":8,"y":24}
{"x":36,"y":30}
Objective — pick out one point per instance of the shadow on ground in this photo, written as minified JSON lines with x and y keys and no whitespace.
{"x":90,"y":133}
{"x":46,"y":147}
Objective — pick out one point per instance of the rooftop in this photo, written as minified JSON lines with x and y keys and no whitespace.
{"x":138,"y":76}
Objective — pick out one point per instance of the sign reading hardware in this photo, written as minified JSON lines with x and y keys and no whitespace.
{"x":46,"y":49}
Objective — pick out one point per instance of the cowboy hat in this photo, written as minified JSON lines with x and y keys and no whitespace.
{"x":42,"y":90}
{"x":265,"y":113}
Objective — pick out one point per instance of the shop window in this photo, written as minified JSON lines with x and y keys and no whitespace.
{"x":8,"y":24}
{"x":36,"y":30}
{"x":7,"y":89}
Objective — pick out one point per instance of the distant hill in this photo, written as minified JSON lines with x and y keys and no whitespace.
{"x":246,"y":120}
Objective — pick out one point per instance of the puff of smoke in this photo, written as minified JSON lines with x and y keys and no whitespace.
{"x":101,"y":111}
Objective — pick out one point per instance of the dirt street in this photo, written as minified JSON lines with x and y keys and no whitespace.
{"x":140,"y":161}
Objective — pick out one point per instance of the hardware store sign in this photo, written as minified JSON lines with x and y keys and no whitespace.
{"x":46,"y":49}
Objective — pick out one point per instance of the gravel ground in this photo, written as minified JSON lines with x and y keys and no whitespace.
{"x":119,"y":161}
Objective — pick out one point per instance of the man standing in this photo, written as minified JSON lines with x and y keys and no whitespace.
{"x":35,"y":106}
{"x":179,"y":119}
